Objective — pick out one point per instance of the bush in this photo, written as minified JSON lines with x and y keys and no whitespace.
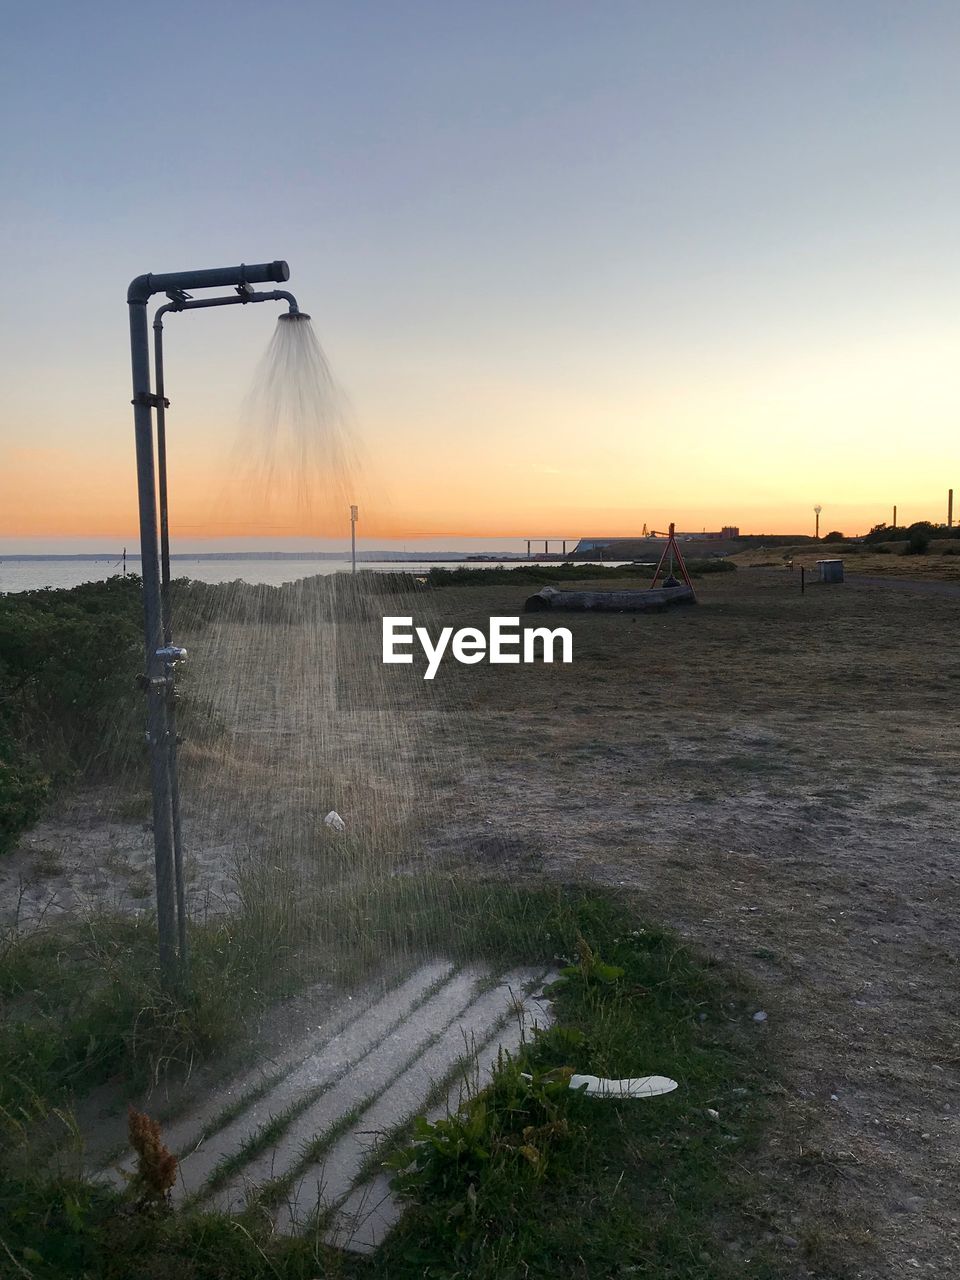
{"x":23,"y":790}
{"x":715,"y":564}
{"x":491,"y":577}
{"x":68,"y":667}
{"x":881,"y":532}
{"x":69,"y":705}
{"x":918,"y":543}
{"x":833,"y":536}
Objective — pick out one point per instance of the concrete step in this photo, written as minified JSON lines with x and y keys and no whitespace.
{"x":367,"y":1077}
{"x":370,"y":1210}
{"x":332,"y":1058}
{"x":340,"y":1090}
{"x":267,"y":1088}
{"x":324,"y":1183}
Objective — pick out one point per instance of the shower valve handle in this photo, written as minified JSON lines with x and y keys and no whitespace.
{"x":172,"y":653}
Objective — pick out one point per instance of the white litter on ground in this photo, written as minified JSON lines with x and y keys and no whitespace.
{"x":638,"y":1087}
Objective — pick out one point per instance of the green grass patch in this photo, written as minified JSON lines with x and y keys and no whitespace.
{"x":569,"y":572}
{"x":81,"y":1002}
{"x":530,"y":1180}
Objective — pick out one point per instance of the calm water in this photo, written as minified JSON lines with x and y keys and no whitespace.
{"x":26,"y":575}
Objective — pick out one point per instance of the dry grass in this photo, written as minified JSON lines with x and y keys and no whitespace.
{"x":776,"y":775}
{"x":942,"y":562}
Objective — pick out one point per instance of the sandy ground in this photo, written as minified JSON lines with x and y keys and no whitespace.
{"x":94,"y":854}
{"x":773,"y":774}
{"x":301,"y":727}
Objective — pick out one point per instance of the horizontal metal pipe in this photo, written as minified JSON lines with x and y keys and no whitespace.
{"x":143,"y":287}
{"x":193,"y":304}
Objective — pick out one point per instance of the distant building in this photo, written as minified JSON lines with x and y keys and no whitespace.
{"x":629,"y":548}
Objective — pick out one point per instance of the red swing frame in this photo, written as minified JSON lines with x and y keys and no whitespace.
{"x":673,"y":545}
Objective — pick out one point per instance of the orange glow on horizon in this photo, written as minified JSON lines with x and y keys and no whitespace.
{"x":755,"y":445}
{"x":40,"y":499}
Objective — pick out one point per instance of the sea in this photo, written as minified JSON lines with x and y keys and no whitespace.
{"x":28,"y":574}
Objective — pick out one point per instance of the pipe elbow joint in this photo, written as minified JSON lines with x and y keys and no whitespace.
{"x":140,"y":289}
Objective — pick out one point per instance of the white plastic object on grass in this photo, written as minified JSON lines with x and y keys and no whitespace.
{"x":334,"y":821}
{"x":638,"y":1087}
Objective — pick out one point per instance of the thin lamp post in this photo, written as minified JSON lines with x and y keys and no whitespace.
{"x":353,"y":539}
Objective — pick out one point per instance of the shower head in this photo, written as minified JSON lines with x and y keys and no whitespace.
{"x":294,"y":312}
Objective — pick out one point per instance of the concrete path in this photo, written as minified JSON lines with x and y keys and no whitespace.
{"x":300,"y":1136}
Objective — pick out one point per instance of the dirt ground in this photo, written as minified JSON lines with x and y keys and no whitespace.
{"x":776,"y":776}
{"x":941,"y":564}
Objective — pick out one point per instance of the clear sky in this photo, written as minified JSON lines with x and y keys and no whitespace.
{"x":578,"y":265}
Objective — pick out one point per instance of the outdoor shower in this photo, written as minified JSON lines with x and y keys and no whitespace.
{"x":161,"y":654}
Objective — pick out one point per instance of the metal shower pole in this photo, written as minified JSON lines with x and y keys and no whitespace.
{"x":166,"y":622}
{"x":159,"y":657}
{"x":182,"y":302}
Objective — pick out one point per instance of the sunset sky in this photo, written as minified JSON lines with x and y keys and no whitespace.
{"x":577,"y":266}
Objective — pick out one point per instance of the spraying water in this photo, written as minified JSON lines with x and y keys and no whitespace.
{"x":294,"y":713}
{"x":296,"y":454}
{"x":286,"y":711}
